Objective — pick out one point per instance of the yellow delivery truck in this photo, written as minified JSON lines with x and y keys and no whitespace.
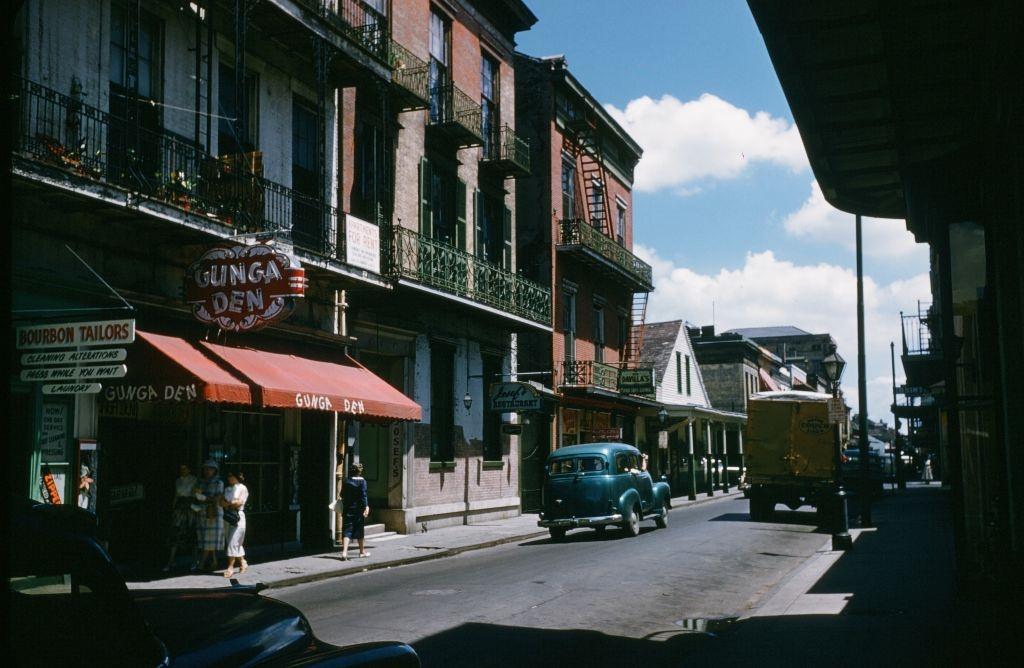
{"x":790,"y":452}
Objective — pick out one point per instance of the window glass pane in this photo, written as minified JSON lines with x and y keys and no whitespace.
{"x":438,"y":45}
{"x":592,"y":464}
{"x":565,"y":465}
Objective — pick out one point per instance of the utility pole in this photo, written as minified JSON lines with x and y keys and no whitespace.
{"x":862,"y":388}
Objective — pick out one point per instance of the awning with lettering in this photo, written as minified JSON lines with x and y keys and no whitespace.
{"x":169,"y":368}
{"x":290,"y":381}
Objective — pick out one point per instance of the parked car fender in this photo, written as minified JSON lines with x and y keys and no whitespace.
{"x":662,"y":495}
{"x":629,"y":498}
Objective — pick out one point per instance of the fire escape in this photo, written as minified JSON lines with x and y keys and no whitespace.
{"x":583,"y":141}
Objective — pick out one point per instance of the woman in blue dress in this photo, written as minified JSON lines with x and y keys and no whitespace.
{"x":355,"y":507}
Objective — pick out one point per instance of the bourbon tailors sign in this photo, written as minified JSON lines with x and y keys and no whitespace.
{"x":240,"y":288}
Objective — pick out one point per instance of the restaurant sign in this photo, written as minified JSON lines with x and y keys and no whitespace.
{"x":240,"y":288}
{"x":514,"y":398}
{"x":639,"y":382}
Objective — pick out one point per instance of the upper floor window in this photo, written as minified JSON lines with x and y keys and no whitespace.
{"x":598,"y":333}
{"x":490,"y":92}
{"x":679,"y":372}
{"x":568,"y":186}
{"x":688,"y":392}
{"x":569,"y":324}
{"x":439,"y":75}
{"x":144,"y":69}
{"x":236,"y":132}
{"x":620,"y":224}
{"x":493,"y":229}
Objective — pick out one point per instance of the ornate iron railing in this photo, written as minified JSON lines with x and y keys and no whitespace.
{"x":409,"y":71}
{"x":358,"y":21}
{"x":588,"y":373}
{"x":918,"y":331}
{"x":449,"y":105}
{"x":58,"y":130}
{"x":577,"y":232}
{"x":439,"y":265}
{"x":506,"y":146}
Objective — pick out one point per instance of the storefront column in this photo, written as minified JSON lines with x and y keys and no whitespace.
{"x":691,"y":466}
{"x":742,"y":463}
{"x":725,"y":458}
{"x":710,"y":469}
{"x":334,"y":519}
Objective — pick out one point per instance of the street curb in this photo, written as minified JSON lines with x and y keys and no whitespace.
{"x":439,"y":554}
{"x":686,"y":503}
{"x":448,"y":552}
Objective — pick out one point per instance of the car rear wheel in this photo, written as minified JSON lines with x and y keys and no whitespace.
{"x":557,"y":533}
{"x":662,"y":521}
{"x":631,"y":523}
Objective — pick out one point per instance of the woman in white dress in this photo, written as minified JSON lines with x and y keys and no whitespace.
{"x":233,"y":502}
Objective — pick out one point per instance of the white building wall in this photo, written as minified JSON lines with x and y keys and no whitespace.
{"x":666,"y":390}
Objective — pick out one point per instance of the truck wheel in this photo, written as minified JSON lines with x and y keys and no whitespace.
{"x":631,"y":523}
{"x":557,"y":534}
{"x":662,"y":521}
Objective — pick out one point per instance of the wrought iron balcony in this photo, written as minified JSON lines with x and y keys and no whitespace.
{"x":356,"y":20}
{"x":456,"y":115}
{"x":408,"y":78}
{"x":56,"y":131}
{"x":438,"y":265}
{"x":588,"y":373}
{"x":604,"y":254}
{"x":922,"y":352}
{"x":507,"y":153}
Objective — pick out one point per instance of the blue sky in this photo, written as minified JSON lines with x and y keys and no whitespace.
{"x":724,"y":205}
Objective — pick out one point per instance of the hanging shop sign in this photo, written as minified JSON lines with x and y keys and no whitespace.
{"x":72,"y":388}
{"x":75,"y":335}
{"x":75,"y":357}
{"x":514,"y":398}
{"x":607,"y":434}
{"x":240,"y":288}
{"x":362,"y":244}
{"x":74,"y":373}
{"x":639,"y":382}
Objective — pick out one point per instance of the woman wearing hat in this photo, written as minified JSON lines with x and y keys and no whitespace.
{"x":210,"y":527}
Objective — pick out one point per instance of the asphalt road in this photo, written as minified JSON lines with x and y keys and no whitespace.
{"x":607,"y":600}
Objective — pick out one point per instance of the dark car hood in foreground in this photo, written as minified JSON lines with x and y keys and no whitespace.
{"x":223,"y":627}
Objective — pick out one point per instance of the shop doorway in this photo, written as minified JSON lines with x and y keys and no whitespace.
{"x":534,"y":446}
{"x":140,"y":462}
{"x":374,"y":445}
{"x":314,"y":479}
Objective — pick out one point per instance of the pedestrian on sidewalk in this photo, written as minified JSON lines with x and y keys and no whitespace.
{"x":183,"y":518}
{"x":233,"y":504}
{"x":927,"y":474}
{"x":355,"y":507}
{"x":210,"y":527}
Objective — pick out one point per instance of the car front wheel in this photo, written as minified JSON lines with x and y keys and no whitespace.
{"x":631,"y":523}
{"x":662,"y":521}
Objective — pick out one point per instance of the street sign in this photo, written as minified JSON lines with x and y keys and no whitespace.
{"x":836,"y":411}
{"x":76,"y":334}
{"x":73,"y":388}
{"x":75,"y":356}
{"x":74,"y":373}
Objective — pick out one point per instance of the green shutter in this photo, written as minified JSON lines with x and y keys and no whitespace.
{"x":460,"y":215}
{"x":426,"y":214}
{"x":478,"y":221}
{"x":506,"y":236}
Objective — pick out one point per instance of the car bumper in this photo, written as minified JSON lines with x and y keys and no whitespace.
{"x":569,"y":522}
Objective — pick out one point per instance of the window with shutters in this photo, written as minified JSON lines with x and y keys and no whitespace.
{"x":568,"y":186}
{"x":135,"y":72}
{"x":489,"y":103}
{"x":493,"y":242}
{"x":569,"y":323}
{"x":688,"y":390}
{"x":598,"y":333}
{"x":442,"y":403}
{"x":438,"y":73}
{"x":679,"y":372}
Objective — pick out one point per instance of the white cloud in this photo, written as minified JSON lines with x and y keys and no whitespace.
{"x":884,"y":238}
{"x":819,"y":298}
{"x":685,"y":142}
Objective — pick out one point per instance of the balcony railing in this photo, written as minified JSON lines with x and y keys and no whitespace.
{"x":588,"y":373}
{"x":507,"y":152}
{"x":456,"y":114}
{"x":60,"y":131}
{"x":917,"y":332}
{"x":408,"y":78}
{"x":576,"y":233}
{"x":439,"y":265}
{"x":356,"y":20}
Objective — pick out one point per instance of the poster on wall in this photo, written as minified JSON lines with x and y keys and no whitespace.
{"x":53,"y":439}
{"x":362,"y":244}
{"x":51,"y":481}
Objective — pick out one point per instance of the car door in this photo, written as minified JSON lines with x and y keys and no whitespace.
{"x":644,"y":484}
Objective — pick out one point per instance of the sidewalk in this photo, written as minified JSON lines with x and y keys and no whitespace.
{"x":386,"y":552}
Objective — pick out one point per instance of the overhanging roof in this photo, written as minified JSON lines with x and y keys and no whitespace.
{"x":880,"y":89}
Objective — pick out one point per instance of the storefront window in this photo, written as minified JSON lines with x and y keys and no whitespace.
{"x":251,"y":442}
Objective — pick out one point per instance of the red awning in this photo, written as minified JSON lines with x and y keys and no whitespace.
{"x":768,"y":383}
{"x":168,"y":368}
{"x":289,"y":381}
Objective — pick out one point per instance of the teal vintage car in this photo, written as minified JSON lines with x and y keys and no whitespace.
{"x":600,"y":484}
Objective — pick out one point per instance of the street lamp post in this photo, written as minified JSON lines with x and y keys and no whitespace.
{"x":833,"y":366}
